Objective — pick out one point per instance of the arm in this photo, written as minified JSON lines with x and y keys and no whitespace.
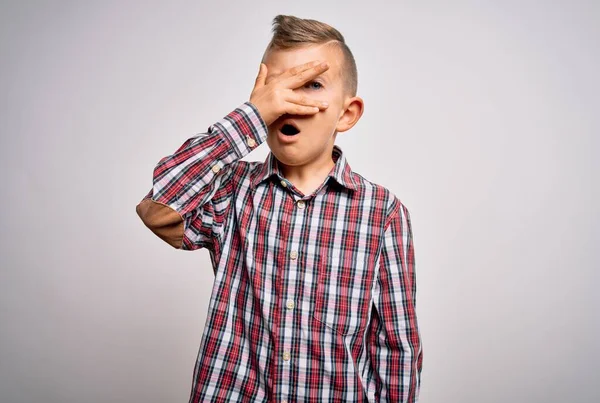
{"x":395,"y":343}
{"x":189,"y":202}
{"x":192,"y":188}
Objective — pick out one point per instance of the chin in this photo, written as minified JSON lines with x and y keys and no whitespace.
{"x":287,"y":156}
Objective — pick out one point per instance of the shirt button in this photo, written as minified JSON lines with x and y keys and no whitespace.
{"x":300,"y":203}
{"x":251,"y":142}
{"x":283,"y":184}
{"x":293,"y":254}
{"x":286,"y":355}
{"x":290,"y":304}
{"x":216,"y":168}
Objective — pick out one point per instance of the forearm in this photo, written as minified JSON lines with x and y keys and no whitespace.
{"x":185,"y":182}
{"x":184,"y":179}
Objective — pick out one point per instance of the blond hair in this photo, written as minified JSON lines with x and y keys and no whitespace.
{"x":292,"y":32}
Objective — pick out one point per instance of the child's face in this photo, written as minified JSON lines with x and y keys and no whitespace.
{"x":317,"y":132}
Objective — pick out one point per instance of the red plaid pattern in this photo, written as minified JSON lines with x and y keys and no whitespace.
{"x":314,"y":295}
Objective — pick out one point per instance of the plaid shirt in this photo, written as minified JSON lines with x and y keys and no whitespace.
{"x":314,"y":295}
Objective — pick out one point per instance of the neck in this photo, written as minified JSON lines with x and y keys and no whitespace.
{"x":309,"y":175}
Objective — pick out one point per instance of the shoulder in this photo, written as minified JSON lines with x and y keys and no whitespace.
{"x":241,"y":168}
{"x":389,"y":201}
{"x":243,"y":171}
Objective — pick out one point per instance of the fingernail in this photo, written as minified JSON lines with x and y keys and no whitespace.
{"x":325,"y":103}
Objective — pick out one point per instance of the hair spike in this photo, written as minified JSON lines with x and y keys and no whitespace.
{"x":293,"y":32}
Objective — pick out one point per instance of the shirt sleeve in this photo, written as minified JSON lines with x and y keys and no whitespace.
{"x":394,"y":343}
{"x":189,"y":201}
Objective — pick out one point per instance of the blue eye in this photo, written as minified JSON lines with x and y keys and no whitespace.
{"x":315,"y":82}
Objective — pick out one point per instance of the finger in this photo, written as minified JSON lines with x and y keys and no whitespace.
{"x":295,"y":109}
{"x":299,"y":99}
{"x":296,"y":69}
{"x":302,"y":77}
{"x":262,"y":75}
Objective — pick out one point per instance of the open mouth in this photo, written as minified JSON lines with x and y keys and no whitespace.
{"x":289,"y":130}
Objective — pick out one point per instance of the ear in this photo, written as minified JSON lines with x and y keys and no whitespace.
{"x":353,"y":110}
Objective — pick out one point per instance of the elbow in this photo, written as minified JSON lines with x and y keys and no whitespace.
{"x":162,"y":220}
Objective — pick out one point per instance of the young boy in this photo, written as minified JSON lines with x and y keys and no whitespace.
{"x":314,"y":292}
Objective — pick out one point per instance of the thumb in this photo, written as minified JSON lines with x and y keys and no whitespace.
{"x":262,"y":75}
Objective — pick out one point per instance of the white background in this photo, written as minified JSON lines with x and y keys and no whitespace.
{"x":482,"y":117}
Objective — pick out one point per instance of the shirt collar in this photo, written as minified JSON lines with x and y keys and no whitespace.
{"x":341,"y":172}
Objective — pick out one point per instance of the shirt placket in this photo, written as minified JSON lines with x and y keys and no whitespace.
{"x":294,"y":213}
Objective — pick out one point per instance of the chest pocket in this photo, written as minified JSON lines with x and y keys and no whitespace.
{"x":343,"y":296}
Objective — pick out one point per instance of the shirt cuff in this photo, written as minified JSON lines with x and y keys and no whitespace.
{"x":243,"y":128}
